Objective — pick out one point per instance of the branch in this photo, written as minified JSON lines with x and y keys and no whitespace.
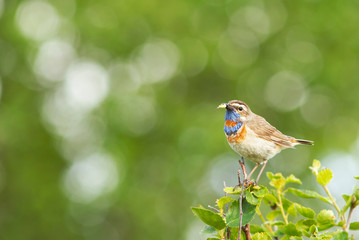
{"x":247,"y":231}
{"x":349,"y":216}
{"x":240,"y":203}
{"x":246,"y":228}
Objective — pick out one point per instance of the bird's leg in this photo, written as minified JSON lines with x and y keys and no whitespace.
{"x":243,"y":169}
{"x":259,"y":175}
{"x":250,"y":174}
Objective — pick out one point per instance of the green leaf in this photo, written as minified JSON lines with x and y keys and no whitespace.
{"x":291,"y":210}
{"x":326,"y":217}
{"x":255,"y":229}
{"x":301,"y":226}
{"x":315,"y":167}
{"x":209,"y":230}
{"x":306,"y":233}
{"x":212,"y":238}
{"x":330,"y":235}
{"x":250,"y":198}
{"x":324,"y":227}
{"x":261,"y":236}
{"x":291,"y":230}
{"x":340,"y":223}
{"x":313,"y":230}
{"x":341,"y":236}
{"x":208,"y":217}
{"x":308,"y":194}
{"x":316,"y":164}
{"x":346,"y":197}
{"x":292,"y":179}
{"x":348,"y":203}
{"x":309,"y":222}
{"x":285,"y":237}
{"x":261,"y":192}
{"x":270,"y":198}
{"x":273,"y":214}
{"x":357,"y":178}
{"x":356,"y":194}
{"x":286,"y":203}
{"x":270,"y":175}
{"x":234,"y":233}
{"x":230,"y":190}
{"x":324,"y":176}
{"x":354,"y":226}
{"x":223,"y":201}
{"x":232,"y":217}
{"x":304,"y":211}
{"x":277,"y":223}
{"x":277,"y":181}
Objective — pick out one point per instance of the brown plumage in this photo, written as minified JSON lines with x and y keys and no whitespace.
{"x":265,"y":130}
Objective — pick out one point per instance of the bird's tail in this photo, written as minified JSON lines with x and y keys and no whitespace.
{"x":305,"y":142}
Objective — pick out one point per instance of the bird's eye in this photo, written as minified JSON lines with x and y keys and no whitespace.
{"x":240,"y":108}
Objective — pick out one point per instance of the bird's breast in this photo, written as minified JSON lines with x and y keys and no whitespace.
{"x":238,"y":136}
{"x":247,"y":143}
{"x":231,"y":127}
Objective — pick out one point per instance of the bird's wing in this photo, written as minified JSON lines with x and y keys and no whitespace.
{"x":266,"y":131}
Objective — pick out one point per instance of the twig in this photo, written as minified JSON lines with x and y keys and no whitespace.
{"x":281,"y":209}
{"x":334,"y":203}
{"x":246,"y":228}
{"x":215,"y":209}
{"x":240,"y":203}
{"x":228,"y":231}
{"x":349,"y":216}
{"x":240,"y":214}
{"x":247,"y":231}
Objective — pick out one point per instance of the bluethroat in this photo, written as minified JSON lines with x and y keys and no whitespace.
{"x":252,"y":136}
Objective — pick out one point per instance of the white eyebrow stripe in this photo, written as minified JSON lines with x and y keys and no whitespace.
{"x":239,"y":105}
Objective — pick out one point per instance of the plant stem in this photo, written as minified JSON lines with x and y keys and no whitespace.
{"x":240,"y":200}
{"x":349,"y":217}
{"x":220,"y":233}
{"x":246,"y":230}
{"x":264,"y":221}
{"x":240,"y":214}
{"x":281,"y":208}
{"x":228,"y":233}
{"x":333,"y":202}
{"x":215,"y":209}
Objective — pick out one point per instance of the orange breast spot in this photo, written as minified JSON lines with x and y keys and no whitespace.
{"x":230,"y":123}
{"x":239,"y":137}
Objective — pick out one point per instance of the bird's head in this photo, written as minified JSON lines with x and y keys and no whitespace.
{"x":236,"y":110}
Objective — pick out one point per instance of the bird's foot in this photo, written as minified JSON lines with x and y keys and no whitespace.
{"x":237,"y":186}
{"x":245,"y":185}
{"x":250,"y":183}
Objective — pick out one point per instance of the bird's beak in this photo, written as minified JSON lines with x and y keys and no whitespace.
{"x":223,"y":105}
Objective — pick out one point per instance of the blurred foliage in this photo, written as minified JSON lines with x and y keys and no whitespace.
{"x":108,"y":126}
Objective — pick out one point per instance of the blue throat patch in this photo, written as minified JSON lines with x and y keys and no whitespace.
{"x":232,"y":116}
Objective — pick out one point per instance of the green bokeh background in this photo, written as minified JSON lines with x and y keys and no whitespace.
{"x":108,"y":120}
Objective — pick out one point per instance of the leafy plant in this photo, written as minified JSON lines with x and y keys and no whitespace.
{"x":286,"y":219}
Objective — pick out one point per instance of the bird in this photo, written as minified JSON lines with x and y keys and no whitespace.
{"x":252,"y":136}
